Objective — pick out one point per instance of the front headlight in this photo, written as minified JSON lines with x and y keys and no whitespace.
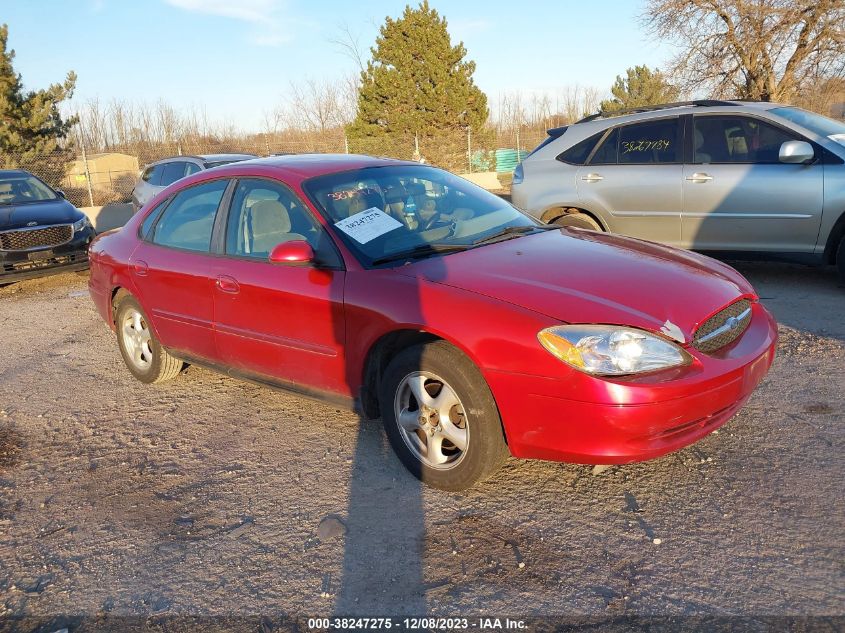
{"x":610,"y":350}
{"x":81,"y":225}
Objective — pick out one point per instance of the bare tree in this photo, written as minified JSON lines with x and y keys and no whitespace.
{"x":350,"y":45}
{"x":765,"y":50}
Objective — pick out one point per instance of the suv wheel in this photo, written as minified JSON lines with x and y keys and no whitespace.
{"x":578,"y":221}
{"x":840,"y":260}
{"x":440,"y":417}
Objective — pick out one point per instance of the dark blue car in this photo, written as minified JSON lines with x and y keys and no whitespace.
{"x":40,"y":232}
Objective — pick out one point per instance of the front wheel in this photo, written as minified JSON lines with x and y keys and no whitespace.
{"x":441,"y":418}
{"x":840,"y":260}
{"x":148,"y":361}
{"x":578,"y":221}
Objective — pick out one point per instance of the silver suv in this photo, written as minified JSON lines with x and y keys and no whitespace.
{"x":726,"y":176}
{"x":163,"y":173}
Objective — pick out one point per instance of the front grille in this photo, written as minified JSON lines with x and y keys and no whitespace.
{"x":42,"y":237}
{"x":723,"y":328}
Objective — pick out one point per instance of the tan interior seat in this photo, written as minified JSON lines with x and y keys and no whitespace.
{"x":270,"y":225}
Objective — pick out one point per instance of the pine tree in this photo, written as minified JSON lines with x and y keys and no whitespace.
{"x":33,"y":133}
{"x":418,"y":87}
{"x":639,"y":88}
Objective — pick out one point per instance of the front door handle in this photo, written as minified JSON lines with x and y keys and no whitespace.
{"x":700,"y":177}
{"x":592,"y":178}
{"x":228,"y":284}
{"x":140,"y":267}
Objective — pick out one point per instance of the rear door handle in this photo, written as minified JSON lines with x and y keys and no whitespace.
{"x":700,"y":177}
{"x":228,"y":284}
{"x":140,"y":267}
{"x":592,"y":178}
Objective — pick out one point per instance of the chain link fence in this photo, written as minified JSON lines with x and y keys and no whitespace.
{"x":98,"y":176}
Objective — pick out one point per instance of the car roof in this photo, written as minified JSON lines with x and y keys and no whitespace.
{"x":215,"y":157}
{"x":203,"y":158}
{"x":292,"y":169}
{"x":601,"y":120}
{"x":14,"y":172}
{"x":310,"y":165}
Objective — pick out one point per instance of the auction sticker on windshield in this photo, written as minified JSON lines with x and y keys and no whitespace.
{"x":367,"y":225}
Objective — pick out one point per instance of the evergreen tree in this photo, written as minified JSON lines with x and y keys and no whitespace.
{"x":32,"y":130}
{"x":639,"y":88}
{"x":418,"y":86}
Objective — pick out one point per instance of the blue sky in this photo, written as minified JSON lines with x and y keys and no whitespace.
{"x":236,"y":58}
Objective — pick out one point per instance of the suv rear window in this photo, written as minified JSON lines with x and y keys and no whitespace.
{"x":578,"y":153}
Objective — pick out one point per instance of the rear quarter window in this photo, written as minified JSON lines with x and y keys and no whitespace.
{"x":578,"y":153}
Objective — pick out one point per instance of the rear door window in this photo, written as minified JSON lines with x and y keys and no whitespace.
{"x":650,"y":142}
{"x":607,"y":153}
{"x":173,"y":172}
{"x":152,"y":175}
{"x":188,"y":221}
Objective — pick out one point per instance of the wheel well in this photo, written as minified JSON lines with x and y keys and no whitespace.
{"x":550,"y":215}
{"x":836,"y":235}
{"x":378,"y":357}
{"x":116,"y":295}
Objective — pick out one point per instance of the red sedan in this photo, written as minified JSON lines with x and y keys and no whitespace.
{"x":473,"y":331}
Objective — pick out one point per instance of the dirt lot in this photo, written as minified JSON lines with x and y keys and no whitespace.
{"x":207,"y":496}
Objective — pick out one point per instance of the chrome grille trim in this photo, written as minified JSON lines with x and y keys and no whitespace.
{"x":724,"y":327}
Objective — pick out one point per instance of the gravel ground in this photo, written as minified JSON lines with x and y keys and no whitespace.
{"x":207,"y":496}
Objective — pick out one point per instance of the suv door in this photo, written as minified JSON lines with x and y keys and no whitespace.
{"x":739,"y":196}
{"x":172,"y":265}
{"x":281,"y":321}
{"x":633,"y":180}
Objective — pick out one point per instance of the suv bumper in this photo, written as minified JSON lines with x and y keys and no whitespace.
{"x":20,"y":265}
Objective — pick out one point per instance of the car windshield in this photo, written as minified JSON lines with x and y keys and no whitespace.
{"x":22,"y":189}
{"x":817,"y":123}
{"x":388,"y":214}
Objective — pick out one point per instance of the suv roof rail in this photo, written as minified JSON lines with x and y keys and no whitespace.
{"x":698,"y":102}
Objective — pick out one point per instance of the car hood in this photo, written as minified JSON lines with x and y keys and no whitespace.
{"x":47,"y":212}
{"x":578,"y":276}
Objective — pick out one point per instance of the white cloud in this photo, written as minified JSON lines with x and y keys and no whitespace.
{"x":265,"y":15}
{"x":245,"y":10}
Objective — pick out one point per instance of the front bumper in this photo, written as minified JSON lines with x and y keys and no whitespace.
{"x":20,"y":265}
{"x":622,"y":421}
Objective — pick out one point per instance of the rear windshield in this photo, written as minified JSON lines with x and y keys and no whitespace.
{"x":22,"y":189}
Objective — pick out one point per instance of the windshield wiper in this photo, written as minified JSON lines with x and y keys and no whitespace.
{"x":508,"y":230}
{"x":421,"y":251}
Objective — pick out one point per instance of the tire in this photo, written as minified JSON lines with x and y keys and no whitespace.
{"x":578,"y":221}
{"x":146,"y":359}
{"x":467,"y":444}
{"x":840,"y":260}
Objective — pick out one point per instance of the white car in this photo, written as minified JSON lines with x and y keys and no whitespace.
{"x":163,"y":173}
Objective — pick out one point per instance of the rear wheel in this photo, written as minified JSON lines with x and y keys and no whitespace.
{"x":840,"y":260}
{"x":579,"y":221}
{"x":441,"y":418}
{"x":143,"y":354}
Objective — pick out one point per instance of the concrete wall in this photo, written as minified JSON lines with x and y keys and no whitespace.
{"x":111,"y":216}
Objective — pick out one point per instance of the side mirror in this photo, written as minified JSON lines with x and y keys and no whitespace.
{"x":292,"y":253}
{"x":61,"y":193}
{"x":796,"y":152}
